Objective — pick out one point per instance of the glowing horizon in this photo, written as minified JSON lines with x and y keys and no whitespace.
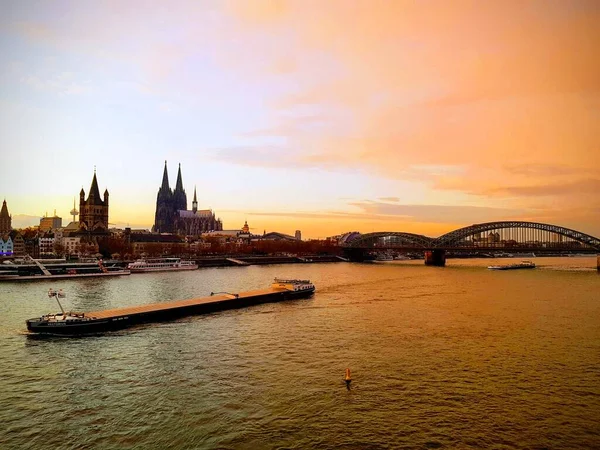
{"x":325,"y":117}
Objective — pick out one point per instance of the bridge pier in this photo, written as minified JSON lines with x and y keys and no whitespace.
{"x":435,"y":258}
{"x":355,"y":254}
{"x":598,"y":262}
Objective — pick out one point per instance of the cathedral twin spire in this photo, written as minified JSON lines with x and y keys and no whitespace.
{"x":172,"y":215}
{"x":168,"y":202}
{"x":178,"y":194}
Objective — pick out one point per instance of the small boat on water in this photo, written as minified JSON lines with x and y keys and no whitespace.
{"x":78,"y":323}
{"x":522,"y":265}
{"x":160,"y":265}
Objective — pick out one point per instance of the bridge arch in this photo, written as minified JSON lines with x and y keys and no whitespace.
{"x":457,"y":238}
{"x":391,"y":238}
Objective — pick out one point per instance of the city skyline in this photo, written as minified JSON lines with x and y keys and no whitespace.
{"x":347,"y":116}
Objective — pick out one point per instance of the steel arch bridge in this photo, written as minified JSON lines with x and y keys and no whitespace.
{"x":509,"y":235}
{"x":534,"y":234}
{"x":394,"y":239}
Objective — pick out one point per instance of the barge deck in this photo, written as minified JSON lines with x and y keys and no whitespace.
{"x":211,"y":301}
{"x":74,"y":323}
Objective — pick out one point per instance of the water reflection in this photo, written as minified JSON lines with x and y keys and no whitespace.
{"x":451,"y":357}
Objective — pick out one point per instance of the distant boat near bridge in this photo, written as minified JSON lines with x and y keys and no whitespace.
{"x":522,"y":265}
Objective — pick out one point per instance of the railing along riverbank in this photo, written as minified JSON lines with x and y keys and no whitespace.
{"x":245,"y":260}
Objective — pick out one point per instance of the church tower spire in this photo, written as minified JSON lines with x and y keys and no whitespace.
{"x":94,"y":194}
{"x":165,"y":180}
{"x":179,"y":185}
{"x":195,"y":202}
{"x":179,"y":196}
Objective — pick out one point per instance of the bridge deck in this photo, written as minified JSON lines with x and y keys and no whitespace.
{"x":503,"y":235}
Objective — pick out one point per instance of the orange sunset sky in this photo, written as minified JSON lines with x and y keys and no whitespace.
{"x":323,"y":116}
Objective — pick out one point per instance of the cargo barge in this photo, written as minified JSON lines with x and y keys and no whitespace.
{"x":76,"y":323}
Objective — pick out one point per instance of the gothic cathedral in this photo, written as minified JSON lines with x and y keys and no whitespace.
{"x":172,"y":215}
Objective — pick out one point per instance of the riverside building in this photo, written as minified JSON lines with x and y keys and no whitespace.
{"x":50,"y":223}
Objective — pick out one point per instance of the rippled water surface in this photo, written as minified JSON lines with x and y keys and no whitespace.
{"x":448,"y":357}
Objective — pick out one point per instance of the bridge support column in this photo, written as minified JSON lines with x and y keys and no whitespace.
{"x":598,"y":262}
{"x":435,"y":258}
{"x":355,"y":254}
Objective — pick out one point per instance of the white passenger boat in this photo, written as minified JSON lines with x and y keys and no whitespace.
{"x":161,"y":265}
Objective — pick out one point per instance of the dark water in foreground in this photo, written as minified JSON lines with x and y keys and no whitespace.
{"x":449,"y":357}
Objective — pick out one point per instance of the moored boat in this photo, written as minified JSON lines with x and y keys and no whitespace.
{"x":78,"y":323}
{"x":161,"y":265}
{"x":521,"y":265}
{"x":35,"y":269}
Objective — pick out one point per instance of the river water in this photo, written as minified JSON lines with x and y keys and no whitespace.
{"x":452,"y":357}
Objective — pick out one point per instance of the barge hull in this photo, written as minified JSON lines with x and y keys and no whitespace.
{"x":116,"y":319}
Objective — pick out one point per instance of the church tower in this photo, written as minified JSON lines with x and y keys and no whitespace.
{"x":163,"y":219}
{"x":5,"y":219}
{"x":93,"y":212}
{"x":179,"y":196}
{"x":195,"y":202}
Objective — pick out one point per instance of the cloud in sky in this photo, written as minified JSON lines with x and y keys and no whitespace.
{"x":458,"y":104}
{"x":369,"y":210}
{"x":461,"y":83}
